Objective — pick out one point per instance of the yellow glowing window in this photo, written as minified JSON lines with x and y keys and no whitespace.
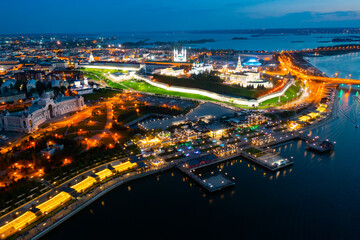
{"x":125,"y":166}
{"x":321,"y":109}
{"x":104,"y":174}
{"x":54,"y":202}
{"x":313,"y":115}
{"x":84,"y":184}
{"x":304,"y":118}
{"x":17,"y":224}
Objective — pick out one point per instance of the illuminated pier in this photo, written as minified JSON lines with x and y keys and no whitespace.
{"x":212,"y":184}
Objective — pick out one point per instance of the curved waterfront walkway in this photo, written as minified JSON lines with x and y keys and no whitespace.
{"x":49,"y":224}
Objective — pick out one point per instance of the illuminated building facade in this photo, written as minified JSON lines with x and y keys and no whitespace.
{"x":172,"y":71}
{"x":29,"y":120}
{"x":247,"y":79}
{"x":199,"y":68}
{"x":180,"y":56}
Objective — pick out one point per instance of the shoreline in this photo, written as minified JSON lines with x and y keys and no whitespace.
{"x":77,"y":206}
{"x":118,"y":181}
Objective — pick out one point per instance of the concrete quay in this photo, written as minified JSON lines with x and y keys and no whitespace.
{"x":212,"y":184}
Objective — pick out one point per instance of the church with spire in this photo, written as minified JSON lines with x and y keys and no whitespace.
{"x":91,"y":58}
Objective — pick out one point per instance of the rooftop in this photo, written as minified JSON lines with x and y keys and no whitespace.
{"x":210,"y":110}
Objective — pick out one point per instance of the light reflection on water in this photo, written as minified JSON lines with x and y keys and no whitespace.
{"x":316,"y":198}
{"x":269,"y":42}
{"x":346,"y":65}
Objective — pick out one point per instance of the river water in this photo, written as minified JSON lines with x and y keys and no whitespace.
{"x":268,"y":42}
{"x":347,"y":65}
{"x":317,"y":198}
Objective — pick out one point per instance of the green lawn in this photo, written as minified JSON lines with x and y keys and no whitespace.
{"x":290,"y":94}
{"x":145,"y":87}
{"x":141,"y":86}
{"x":102,"y":93}
{"x":115,"y":85}
{"x":212,"y":86}
{"x":97,"y":74}
{"x":255,"y":151}
{"x":98,"y":70}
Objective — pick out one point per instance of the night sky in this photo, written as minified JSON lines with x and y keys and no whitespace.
{"x":95,"y":16}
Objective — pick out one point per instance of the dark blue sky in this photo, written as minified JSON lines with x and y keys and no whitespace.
{"x":87,"y":16}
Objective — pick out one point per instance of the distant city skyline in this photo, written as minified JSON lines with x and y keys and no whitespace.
{"x":92,"y":16}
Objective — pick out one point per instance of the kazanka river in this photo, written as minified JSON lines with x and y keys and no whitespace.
{"x":266,"y":42}
{"x":317,"y":198}
{"x":347,"y":65}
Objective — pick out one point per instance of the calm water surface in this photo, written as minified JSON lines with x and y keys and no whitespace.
{"x":269,"y":42}
{"x":344,"y":64}
{"x":317,"y":198}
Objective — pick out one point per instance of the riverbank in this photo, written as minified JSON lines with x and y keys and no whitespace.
{"x":315,"y":193}
{"x":46,"y":226}
{"x":344,"y":65}
{"x":49,"y":224}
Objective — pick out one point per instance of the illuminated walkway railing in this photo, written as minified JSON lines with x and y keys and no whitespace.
{"x":17,"y":224}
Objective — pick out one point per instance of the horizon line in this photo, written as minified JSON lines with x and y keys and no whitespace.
{"x":184,"y":31}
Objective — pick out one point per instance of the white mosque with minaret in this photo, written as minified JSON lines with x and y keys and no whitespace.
{"x":180,"y":56}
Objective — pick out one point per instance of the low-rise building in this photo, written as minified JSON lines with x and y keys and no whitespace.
{"x":45,"y":108}
{"x":122,"y":76}
{"x":199,"y":68}
{"x":31,"y":84}
{"x":247,"y":79}
{"x":172,"y":71}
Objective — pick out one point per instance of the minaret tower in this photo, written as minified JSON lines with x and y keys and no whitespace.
{"x":91,"y":58}
{"x":239,"y":66}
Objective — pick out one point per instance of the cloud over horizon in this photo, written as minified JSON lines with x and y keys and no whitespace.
{"x":83,"y":16}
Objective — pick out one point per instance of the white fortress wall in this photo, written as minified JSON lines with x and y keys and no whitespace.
{"x":240,"y":101}
{"x":110,"y":67}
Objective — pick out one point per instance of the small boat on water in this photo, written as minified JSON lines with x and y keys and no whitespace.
{"x":320,"y":145}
